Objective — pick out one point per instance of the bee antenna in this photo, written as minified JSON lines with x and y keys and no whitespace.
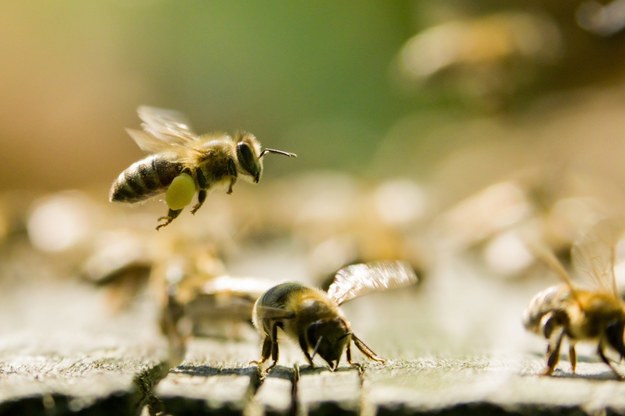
{"x":316,"y":347}
{"x":276,"y":151}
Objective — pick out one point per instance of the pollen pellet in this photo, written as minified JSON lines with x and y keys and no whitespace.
{"x":180,"y":192}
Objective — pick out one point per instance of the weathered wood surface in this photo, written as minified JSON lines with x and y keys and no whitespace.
{"x":455,"y":346}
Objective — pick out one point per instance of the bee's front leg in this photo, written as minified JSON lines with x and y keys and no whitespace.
{"x":201,"y":197}
{"x":171,"y":215}
{"x":304,"y":346}
{"x":232,"y":171}
{"x":607,"y":361}
{"x":348,"y":354}
{"x":368,"y":352}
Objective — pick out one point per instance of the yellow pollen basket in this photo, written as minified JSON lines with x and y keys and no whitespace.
{"x":180,"y":191}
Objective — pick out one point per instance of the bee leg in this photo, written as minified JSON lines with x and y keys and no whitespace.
{"x":201,"y":197}
{"x":171,"y":215}
{"x":304,"y":346}
{"x":572,"y":357}
{"x":607,"y":361}
{"x":232,"y":170}
{"x":368,"y":352}
{"x":274,"y":346}
{"x":265,"y":352}
{"x":202,"y":185}
{"x":264,"y":355}
{"x":348,"y":354}
{"x":553,"y":354}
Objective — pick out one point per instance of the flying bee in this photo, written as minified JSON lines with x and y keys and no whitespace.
{"x":182,"y":162}
{"x":566,"y":311}
{"x":313,"y":317}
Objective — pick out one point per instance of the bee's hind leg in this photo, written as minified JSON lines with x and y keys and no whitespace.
{"x":171,"y":215}
{"x":265,"y":352}
{"x":269,"y":348}
{"x":553,"y":353}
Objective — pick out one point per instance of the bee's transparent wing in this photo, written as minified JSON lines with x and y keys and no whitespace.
{"x":593,"y":254}
{"x":546,"y":255}
{"x":358,"y":279}
{"x":169,"y":126}
{"x":151,"y":144}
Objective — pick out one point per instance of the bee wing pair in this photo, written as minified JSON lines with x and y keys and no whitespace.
{"x":357,"y":280}
{"x":162,"y":130}
{"x":593,"y":256}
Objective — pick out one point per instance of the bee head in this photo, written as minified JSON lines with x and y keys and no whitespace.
{"x":329,"y":339}
{"x":249,"y":155}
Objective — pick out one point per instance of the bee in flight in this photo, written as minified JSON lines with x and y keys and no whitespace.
{"x":182,"y":163}
{"x":567,"y":311}
{"x":313,"y":317}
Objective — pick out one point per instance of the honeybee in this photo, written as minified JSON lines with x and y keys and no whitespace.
{"x":313,"y":317}
{"x":183,"y":163}
{"x":567,"y":311}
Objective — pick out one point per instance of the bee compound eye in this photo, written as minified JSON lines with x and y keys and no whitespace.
{"x":247,"y":160}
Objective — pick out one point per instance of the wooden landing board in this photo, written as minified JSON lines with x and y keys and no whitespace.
{"x":455,"y":347}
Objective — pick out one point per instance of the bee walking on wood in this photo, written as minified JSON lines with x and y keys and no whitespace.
{"x":313,"y":317}
{"x":567,"y":311}
{"x":182,"y":162}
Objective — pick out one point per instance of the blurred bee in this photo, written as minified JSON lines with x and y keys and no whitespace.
{"x":183,"y":163}
{"x":566,"y":311}
{"x":197,"y":298}
{"x":313,"y":317}
{"x":207,"y":306}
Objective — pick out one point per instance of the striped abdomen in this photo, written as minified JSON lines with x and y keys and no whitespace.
{"x":145,"y":178}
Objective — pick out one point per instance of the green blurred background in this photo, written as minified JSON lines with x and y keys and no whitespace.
{"x":328,"y":80}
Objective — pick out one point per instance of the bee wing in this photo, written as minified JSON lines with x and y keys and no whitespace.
{"x":545,"y":254}
{"x":593,"y":254}
{"x":268,"y":312}
{"x":358,"y":279}
{"x":169,"y":126}
{"x":149,"y":143}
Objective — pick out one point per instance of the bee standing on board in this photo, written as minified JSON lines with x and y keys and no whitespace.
{"x":313,"y":317}
{"x":566,"y":311}
{"x":183,"y":163}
